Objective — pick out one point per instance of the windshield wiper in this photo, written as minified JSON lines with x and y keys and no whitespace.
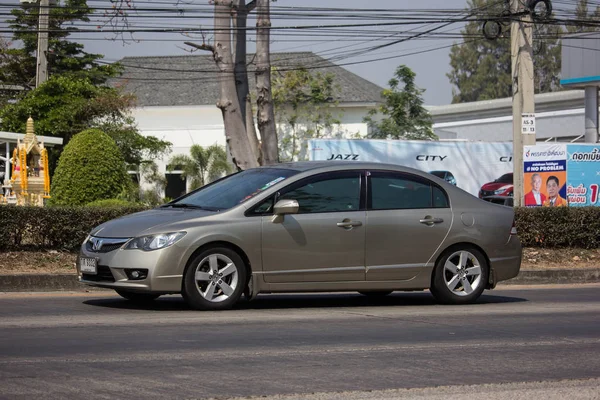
{"x":183,"y":205}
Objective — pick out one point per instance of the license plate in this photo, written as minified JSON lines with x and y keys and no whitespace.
{"x":87,"y":265}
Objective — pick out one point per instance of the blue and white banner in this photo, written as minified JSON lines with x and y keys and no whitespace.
{"x":583,"y":176}
{"x":472,"y":164}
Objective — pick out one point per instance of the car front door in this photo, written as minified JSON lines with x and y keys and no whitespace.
{"x":408,"y":218}
{"x":325,"y":240}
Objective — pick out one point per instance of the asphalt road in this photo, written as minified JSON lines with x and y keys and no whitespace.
{"x":95,"y":345}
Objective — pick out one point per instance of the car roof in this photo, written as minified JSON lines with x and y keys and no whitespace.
{"x":303,"y":166}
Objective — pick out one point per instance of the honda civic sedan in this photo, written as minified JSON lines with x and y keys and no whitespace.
{"x":308,"y":227}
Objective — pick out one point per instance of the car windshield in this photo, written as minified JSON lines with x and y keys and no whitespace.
{"x":439,"y":174}
{"x":506,"y":178}
{"x":233,"y":189}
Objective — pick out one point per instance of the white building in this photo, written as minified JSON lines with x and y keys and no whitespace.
{"x":177,"y":98}
{"x":560,"y":116}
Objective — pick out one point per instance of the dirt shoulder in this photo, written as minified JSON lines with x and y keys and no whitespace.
{"x":56,"y":262}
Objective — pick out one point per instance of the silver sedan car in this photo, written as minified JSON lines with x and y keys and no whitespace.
{"x":308,"y":227}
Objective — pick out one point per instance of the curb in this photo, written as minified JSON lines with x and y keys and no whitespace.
{"x":69,"y":282}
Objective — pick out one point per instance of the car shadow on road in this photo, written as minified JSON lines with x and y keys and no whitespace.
{"x":299,"y":301}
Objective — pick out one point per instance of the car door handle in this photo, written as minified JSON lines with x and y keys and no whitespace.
{"x":430,"y":220}
{"x":349,"y":224}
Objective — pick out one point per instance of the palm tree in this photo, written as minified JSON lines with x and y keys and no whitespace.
{"x":202,"y":166}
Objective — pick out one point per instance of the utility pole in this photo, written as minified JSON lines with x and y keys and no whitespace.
{"x":41,"y":73}
{"x":521,"y":37}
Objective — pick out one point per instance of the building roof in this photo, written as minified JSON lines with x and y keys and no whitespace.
{"x":564,"y":100}
{"x":192,"y":80}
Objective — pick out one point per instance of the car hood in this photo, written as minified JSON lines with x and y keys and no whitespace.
{"x":494,"y":186}
{"x":139,"y":223}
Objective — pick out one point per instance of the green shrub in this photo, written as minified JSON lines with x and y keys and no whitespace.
{"x":65,"y":228}
{"x":110,"y":203}
{"x":559,"y":227}
{"x":58,"y":228}
{"x":90,"y":168}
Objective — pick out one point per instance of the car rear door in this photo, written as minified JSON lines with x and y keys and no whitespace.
{"x":408,"y":218}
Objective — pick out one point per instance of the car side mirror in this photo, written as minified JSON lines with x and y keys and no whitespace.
{"x":284,"y":207}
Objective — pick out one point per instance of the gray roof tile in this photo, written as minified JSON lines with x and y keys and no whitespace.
{"x":192,"y":80}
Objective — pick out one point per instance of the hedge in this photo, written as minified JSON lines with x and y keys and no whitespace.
{"x":65,"y":228}
{"x":52,"y":228}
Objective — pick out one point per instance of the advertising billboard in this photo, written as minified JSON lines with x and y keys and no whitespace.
{"x":561,"y":175}
{"x":473,"y":166}
{"x":545,"y":175}
{"x":583,"y":168}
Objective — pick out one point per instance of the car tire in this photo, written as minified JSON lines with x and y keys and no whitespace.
{"x":215,"y":279}
{"x":138,"y":297}
{"x":460,"y":276}
{"x":376,"y":293}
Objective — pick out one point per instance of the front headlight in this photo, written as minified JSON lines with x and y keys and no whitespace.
{"x":502,"y":189}
{"x":154,"y":242}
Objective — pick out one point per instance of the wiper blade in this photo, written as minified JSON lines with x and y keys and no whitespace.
{"x":182,"y":205}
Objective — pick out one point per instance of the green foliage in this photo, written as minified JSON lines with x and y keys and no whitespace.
{"x":110,"y":203}
{"x":303,"y":103}
{"x":59,"y":228}
{"x":65,"y":228}
{"x":481,"y":69}
{"x":90,"y":168}
{"x":555,"y":227}
{"x":64,"y":106}
{"x":582,"y":12}
{"x":18,"y":64}
{"x":202,"y":166}
{"x":403,"y":111}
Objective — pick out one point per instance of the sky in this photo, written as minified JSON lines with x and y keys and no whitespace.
{"x":431,"y":67}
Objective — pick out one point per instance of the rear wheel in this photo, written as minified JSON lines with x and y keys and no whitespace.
{"x":214,"y":280}
{"x":137,"y":297}
{"x":460,"y":276}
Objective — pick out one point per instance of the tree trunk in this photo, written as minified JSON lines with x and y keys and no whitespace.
{"x":265,"y":113}
{"x":241,"y":74}
{"x":235,"y":129}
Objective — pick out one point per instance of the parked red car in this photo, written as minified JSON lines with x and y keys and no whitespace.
{"x":502,"y":186}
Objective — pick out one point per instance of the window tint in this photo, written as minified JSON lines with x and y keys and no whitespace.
{"x":506,"y":178}
{"x":440,"y":200}
{"x":390,"y":191}
{"x":327,"y":195}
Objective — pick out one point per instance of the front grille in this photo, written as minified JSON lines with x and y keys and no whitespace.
{"x":107,"y":245}
{"x":103,"y":275}
{"x":485,"y":193}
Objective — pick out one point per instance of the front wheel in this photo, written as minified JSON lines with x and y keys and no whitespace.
{"x":214,"y":280}
{"x":460,"y":276}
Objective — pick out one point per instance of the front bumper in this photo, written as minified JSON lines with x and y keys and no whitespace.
{"x":164,"y":272}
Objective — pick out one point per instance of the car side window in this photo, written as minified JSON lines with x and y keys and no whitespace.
{"x":402,"y":192}
{"x":328,"y":193}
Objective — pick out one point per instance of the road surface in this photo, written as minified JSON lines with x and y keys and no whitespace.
{"x":340,"y":346}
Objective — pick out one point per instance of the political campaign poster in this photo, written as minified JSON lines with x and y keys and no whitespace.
{"x":480,"y":168}
{"x":583,"y":178}
{"x":545,"y":175}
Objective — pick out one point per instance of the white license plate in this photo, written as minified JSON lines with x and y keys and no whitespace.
{"x":87,"y":265}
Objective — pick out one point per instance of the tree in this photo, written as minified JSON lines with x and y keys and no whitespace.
{"x":303,"y":103}
{"x":582,"y":14}
{"x":90,"y":168}
{"x":202,"y":166}
{"x":228,"y":48}
{"x":64,"y":57}
{"x":63,"y":106}
{"x":405,"y":116}
{"x":481,"y":69}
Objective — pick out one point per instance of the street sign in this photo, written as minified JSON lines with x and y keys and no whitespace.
{"x":528,"y":124}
